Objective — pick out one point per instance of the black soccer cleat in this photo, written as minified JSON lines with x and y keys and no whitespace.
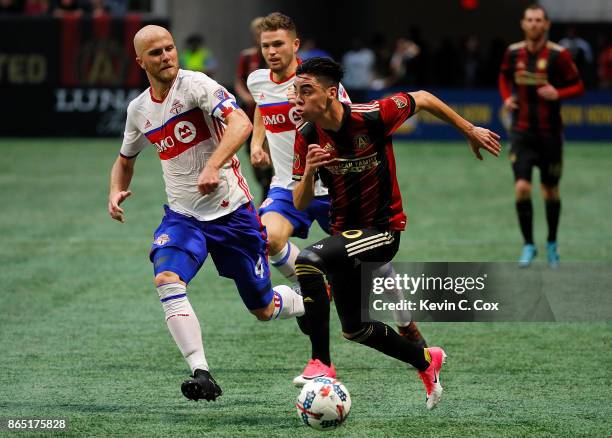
{"x":201,"y":386}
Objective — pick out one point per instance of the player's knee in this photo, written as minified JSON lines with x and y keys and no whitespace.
{"x":522,"y":189}
{"x":265,"y":313}
{"x":166,"y":277}
{"x":349,"y":336}
{"x":276,"y":242}
{"x":357,"y":335}
{"x":550,"y":193}
{"x":308,"y":258}
{"x":364,"y":333}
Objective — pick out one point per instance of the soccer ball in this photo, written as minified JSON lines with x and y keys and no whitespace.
{"x":324,"y":403}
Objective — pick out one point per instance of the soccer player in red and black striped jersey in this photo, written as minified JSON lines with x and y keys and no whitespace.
{"x":535,"y":75}
{"x":349,"y":147}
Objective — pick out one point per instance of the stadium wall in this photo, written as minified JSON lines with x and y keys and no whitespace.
{"x":68,"y":77}
{"x":587,"y":118}
{"x":78,"y":79}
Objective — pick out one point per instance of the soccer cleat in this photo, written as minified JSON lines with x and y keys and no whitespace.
{"x":411,"y":333}
{"x":552,"y":254}
{"x":529,"y":253}
{"x":201,"y":386}
{"x":315,"y":368}
{"x":431,"y":376}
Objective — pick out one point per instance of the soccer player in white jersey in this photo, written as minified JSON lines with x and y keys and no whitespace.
{"x":275,"y":120}
{"x":196,"y":127}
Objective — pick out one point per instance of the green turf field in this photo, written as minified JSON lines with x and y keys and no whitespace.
{"x":82,"y":334}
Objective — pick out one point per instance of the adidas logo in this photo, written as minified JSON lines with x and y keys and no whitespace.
{"x":148,"y":124}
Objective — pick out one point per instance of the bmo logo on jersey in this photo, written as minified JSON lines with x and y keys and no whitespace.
{"x":274,"y":119}
{"x":280,"y":117}
{"x":179,"y":134}
{"x":185,"y":131}
{"x":294,"y":116}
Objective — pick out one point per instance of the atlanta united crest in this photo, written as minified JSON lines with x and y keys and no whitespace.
{"x":361,"y":141}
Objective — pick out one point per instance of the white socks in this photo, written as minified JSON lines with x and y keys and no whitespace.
{"x":287,"y":303}
{"x":402,"y":317}
{"x":284,"y":261}
{"x":183,"y":324}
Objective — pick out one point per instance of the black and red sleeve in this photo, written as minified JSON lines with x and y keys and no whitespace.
{"x":569,"y":78}
{"x":395,"y":110}
{"x":504,"y":81}
{"x":300,"y":149}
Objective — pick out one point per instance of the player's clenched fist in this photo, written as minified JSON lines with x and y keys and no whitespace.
{"x":315,"y":158}
{"x":208,"y":181}
{"x":114,"y":201}
{"x":259,"y":157}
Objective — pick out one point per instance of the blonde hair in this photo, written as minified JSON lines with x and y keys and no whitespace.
{"x":276,"y":21}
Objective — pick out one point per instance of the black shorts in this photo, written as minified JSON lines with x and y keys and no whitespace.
{"x":545,"y":153}
{"x":343,"y":255}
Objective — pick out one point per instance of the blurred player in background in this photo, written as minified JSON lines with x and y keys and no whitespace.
{"x":349,"y":147}
{"x":197,"y":56}
{"x":275,"y":121}
{"x":196,"y":127}
{"x":535,"y":75}
{"x":250,"y":60}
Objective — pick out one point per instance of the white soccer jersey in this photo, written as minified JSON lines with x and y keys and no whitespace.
{"x":280,"y":120}
{"x":186,"y":128}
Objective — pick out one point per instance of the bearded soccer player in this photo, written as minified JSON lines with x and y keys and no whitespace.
{"x":196,"y":127}
{"x":275,"y":121}
{"x":250,"y":60}
{"x":535,"y":76}
{"x":349,"y":147}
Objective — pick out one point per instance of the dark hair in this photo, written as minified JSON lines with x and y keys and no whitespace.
{"x":536,"y":7}
{"x":324,"y":69}
{"x":276,"y":21}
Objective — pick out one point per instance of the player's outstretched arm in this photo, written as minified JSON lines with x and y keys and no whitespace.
{"x":259,"y":155}
{"x":478,"y":138}
{"x":304,"y":192}
{"x":238,"y":129}
{"x":120,"y":178}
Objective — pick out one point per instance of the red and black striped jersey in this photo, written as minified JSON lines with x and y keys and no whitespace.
{"x":523,"y":72}
{"x":362,"y":179}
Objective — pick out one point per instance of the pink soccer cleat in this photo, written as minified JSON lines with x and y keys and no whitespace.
{"x":315,"y":368}
{"x":431,"y":376}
